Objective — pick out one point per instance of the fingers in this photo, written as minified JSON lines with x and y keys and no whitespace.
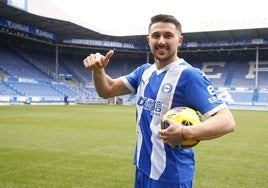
{"x":169,"y":121}
{"x":89,"y":61}
{"x":171,"y":134}
{"x":168,"y":139}
{"x":164,"y":136}
{"x":92,"y":61}
{"x":97,"y":61}
{"x":108,"y":56}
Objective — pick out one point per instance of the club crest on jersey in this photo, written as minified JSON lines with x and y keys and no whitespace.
{"x":166,"y":88}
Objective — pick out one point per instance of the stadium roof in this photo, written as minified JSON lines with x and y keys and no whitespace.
{"x":67,"y":29}
{"x":124,"y":18}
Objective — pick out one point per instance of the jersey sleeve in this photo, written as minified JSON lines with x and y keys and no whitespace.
{"x":200,"y":93}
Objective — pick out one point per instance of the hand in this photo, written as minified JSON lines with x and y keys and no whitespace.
{"x":97,"y":61}
{"x":172,"y":134}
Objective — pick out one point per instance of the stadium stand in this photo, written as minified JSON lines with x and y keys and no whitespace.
{"x":44,"y":71}
{"x":33,"y":66}
{"x":15,"y":65}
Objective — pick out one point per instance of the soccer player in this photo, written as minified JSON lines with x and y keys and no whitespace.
{"x":169,"y":82}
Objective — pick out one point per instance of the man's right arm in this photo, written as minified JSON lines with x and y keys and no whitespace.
{"x":106,"y":87}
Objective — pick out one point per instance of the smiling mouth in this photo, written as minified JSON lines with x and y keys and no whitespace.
{"x":161,"y":50}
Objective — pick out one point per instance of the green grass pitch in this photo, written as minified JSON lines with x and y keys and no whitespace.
{"x":92,"y":146}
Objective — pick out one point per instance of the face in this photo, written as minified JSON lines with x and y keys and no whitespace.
{"x":164,"y":40}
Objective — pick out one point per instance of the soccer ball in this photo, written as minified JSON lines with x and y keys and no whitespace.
{"x":185,"y":116}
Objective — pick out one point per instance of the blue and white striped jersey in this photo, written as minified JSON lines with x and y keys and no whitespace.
{"x":178,"y":84}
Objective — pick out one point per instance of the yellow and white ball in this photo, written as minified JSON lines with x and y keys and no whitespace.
{"x":185,"y":116}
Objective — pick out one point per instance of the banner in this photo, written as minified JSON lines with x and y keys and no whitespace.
{"x":110,"y":44}
{"x":27,"y":29}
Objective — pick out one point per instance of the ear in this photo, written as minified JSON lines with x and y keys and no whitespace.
{"x":180,"y":40}
{"x":148,"y":40}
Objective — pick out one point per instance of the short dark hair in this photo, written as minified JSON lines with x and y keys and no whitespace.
{"x":165,"y":18}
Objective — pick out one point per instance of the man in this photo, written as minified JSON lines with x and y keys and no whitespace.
{"x":168,"y":83}
{"x":66,"y":102}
